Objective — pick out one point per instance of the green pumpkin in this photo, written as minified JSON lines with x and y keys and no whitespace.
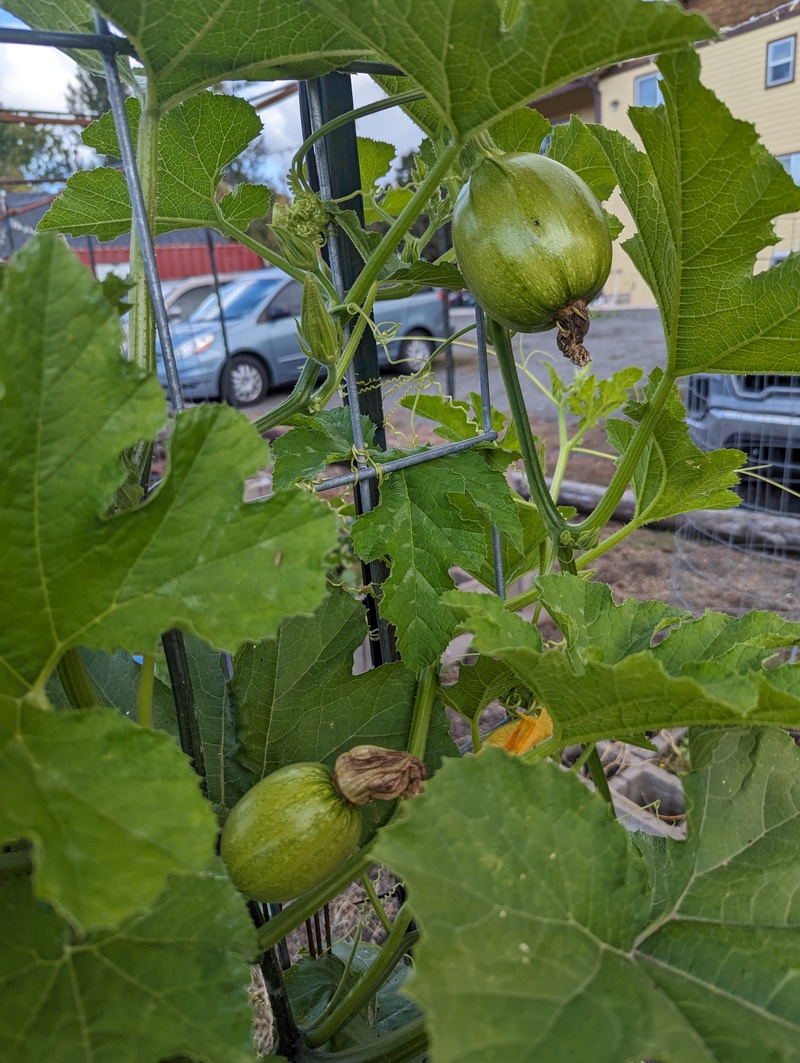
{"x":531,"y":240}
{"x":288,"y":833}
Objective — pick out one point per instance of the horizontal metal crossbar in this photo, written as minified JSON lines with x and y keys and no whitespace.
{"x":95,"y":42}
{"x":370,"y":471}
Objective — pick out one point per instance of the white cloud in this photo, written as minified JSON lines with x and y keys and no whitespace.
{"x":34,"y":78}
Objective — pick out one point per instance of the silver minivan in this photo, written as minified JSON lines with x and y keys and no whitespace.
{"x":260,"y":313}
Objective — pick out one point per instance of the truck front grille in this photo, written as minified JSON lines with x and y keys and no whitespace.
{"x":774,"y":485}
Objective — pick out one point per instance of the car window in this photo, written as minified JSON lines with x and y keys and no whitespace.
{"x":238,"y":299}
{"x":289,"y":301}
{"x":187,"y":302}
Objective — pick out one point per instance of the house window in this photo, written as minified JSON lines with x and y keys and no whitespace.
{"x":647,"y":91}
{"x":780,"y":61}
{"x":791,"y":164}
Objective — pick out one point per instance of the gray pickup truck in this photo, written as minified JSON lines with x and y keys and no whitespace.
{"x":759,"y":414}
{"x":259,"y":313}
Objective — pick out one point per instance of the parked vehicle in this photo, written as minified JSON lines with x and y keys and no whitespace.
{"x":184,"y":295}
{"x":260,"y":313}
{"x":760,"y":415}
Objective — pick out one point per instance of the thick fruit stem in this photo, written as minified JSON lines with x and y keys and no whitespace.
{"x":573,"y":324}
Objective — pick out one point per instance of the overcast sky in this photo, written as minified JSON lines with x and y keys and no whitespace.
{"x":36,"y":78}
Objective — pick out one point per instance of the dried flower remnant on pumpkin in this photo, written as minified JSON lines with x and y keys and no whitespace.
{"x":371,"y":773}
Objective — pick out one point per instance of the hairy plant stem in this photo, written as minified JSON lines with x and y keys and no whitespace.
{"x":78,"y":683}
{"x":642,"y":435}
{"x":553,"y":521}
{"x":299,"y":910}
{"x":378,"y":972}
{"x":297,"y":402}
{"x":141,"y":320}
{"x":375,"y":901}
{"x":597,"y":772}
{"x":274,"y":259}
{"x":607,"y":544}
{"x":421,"y":716}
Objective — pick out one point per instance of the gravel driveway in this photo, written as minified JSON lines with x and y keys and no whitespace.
{"x":616,"y":339}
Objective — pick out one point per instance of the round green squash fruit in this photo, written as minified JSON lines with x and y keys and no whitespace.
{"x":531,"y":240}
{"x":288,"y":833}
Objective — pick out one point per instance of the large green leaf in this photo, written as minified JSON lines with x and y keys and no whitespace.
{"x":478,"y":60}
{"x":169,"y":983}
{"x":187,"y":45}
{"x":296,"y":698}
{"x":420,"y":526}
{"x":610,"y":683}
{"x":195,"y":555}
{"x":314,"y":442}
{"x":673,"y":475}
{"x":703,"y":199}
{"x":196,"y":140}
{"x":560,"y":948}
{"x":66,"y":780}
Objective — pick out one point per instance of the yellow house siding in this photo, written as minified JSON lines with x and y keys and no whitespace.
{"x":735,"y":70}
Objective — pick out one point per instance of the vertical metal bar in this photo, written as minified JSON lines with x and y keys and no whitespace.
{"x":117,"y":100}
{"x":90,"y":249}
{"x":486,"y":409}
{"x":335,"y":165}
{"x":224,"y":328}
{"x":7,"y":220}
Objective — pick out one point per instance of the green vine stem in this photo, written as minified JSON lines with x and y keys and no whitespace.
{"x":375,"y":901}
{"x":597,"y":772}
{"x":141,"y":320}
{"x":401,"y":225}
{"x":229,"y":229}
{"x":79,"y":685}
{"x":553,"y":520}
{"x":421,"y":717}
{"x":297,"y":402}
{"x":299,"y":910}
{"x":397,"y":1047}
{"x":643,"y":434}
{"x":380,"y":970}
{"x":303,"y":398}
{"x":351,"y":116}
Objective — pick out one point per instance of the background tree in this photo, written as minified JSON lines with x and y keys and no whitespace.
{"x":29,"y":152}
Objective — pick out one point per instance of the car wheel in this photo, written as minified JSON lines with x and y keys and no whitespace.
{"x":247,"y":381}
{"x":415,"y":352}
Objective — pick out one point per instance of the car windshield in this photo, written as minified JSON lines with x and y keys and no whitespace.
{"x":237,"y":300}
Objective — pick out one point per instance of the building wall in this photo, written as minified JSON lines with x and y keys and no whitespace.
{"x":734,"y":68}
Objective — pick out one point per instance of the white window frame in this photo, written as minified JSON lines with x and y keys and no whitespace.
{"x":791,"y":163}
{"x":772,"y":62}
{"x":639,"y":82}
